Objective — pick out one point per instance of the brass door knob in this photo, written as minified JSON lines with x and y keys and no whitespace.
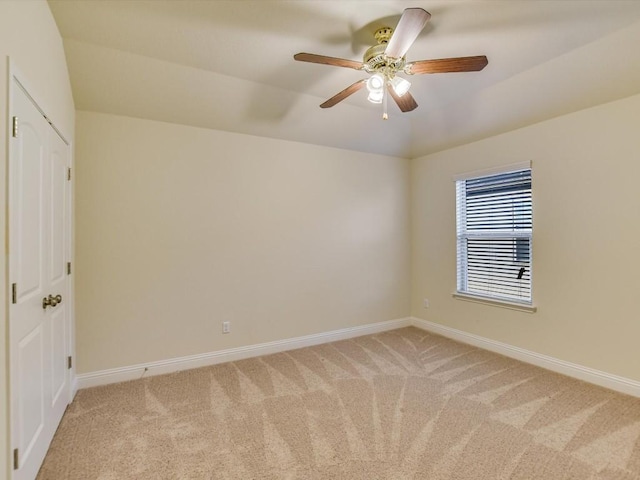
{"x":46,"y":302}
{"x":51,"y":301}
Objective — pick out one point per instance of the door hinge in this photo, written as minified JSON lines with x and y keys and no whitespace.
{"x":14,"y":293}
{"x":69,"y":362}
{"x":15,"y":127}
{"x":15,"y":459}
{"x":68,"y":268}
{"x":69,"y":173}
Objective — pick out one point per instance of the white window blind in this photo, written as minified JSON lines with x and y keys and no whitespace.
{"x":494,"y":224}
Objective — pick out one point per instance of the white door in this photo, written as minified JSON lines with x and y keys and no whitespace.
{"x":57,"y":318}
{"x":38,"y":246}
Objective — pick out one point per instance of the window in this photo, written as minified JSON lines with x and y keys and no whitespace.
{"x":494,"y":224}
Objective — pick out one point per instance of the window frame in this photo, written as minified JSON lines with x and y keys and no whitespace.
{"x":461,"y":292}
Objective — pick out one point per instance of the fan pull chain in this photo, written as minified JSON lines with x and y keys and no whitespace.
{"x":385,"y":94}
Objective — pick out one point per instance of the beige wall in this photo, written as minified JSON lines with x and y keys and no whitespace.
{"x":29,"y":36}
{"x":586,"y":258}
{"x":181,"y":228}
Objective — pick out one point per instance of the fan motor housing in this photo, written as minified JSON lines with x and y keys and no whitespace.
{"x":374,"y":58}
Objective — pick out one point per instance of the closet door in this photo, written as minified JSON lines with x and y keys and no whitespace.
{"x":57,"y":241}
{"x":38,"y":325}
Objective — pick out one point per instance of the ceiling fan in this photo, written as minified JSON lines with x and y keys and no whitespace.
{"x":386,"y":59}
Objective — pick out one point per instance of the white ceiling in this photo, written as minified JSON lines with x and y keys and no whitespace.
{"x":229,"y":65}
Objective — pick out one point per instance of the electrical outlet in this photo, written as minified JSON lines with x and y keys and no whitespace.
{"x":226,"y":327}
{"x":425,"y":303}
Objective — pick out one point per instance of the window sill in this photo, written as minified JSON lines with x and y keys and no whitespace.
{"x":494,"y":302}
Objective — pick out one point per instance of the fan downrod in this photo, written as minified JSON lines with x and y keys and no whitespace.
{"x":383,"y":35}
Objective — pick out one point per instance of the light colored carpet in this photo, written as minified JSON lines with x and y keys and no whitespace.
{"x":398,"y":405}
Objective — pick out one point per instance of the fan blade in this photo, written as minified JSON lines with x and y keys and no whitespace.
{"x":406,"y":102}
{"x":446,"y":65}
{"x":337,"y":62}
{"x":409,"y":27}
{"x":351,"y":89}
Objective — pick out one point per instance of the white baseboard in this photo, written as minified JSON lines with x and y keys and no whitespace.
{"x":114,"y":375}
{"x":597,"y":377}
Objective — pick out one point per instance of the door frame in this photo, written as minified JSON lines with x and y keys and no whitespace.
{"x":15,"y":79}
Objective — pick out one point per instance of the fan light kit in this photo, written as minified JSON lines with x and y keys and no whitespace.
{"x":386,"y":59}
{"x":400,"y":85}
